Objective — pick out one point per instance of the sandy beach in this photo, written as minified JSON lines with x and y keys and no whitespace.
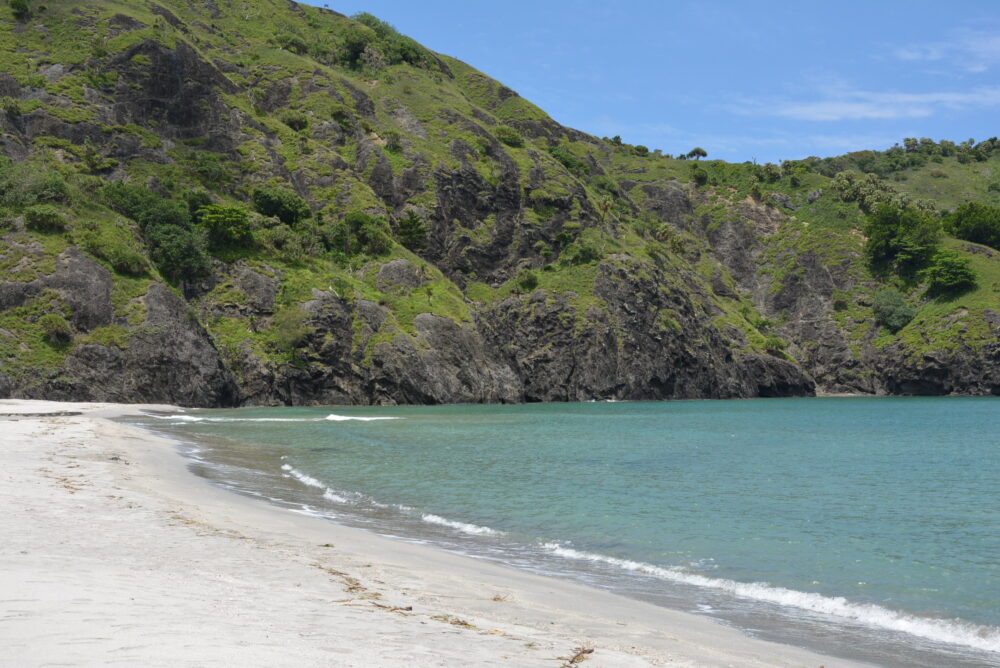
{"x":114,"y":554}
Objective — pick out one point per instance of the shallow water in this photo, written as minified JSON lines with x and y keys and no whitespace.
{"x":862,"y":527}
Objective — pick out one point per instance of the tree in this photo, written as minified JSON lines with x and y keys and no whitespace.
{"x":949,"y":274}
{"x":976,"y":222}
{"x":412,"y":232}
{"x":901,"y":240}
{"x":697,"y":153}
{"x":283,"y":204}
{"x":226,"y":225}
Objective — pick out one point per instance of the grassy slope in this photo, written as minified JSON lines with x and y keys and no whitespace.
{"x":442,"y":100}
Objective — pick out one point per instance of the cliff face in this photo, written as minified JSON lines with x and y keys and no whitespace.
{"x":547,"y":265}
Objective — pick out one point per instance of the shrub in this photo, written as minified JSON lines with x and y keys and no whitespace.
{"x":949,"y":274}
{"x":901,"y":239}
{"x":283,"y":204}
{"x":55,"y":328}
{"x":640,"y":150}
{"x":979,"y":223}
{"x":22,"y":12}
{"x":569,"y":161}
{"x":196,"y":201}
{"x":527,"y":281}
{"x":296,"y":120}
{"x":580,"y":253}
{"x":289,"y":329}
{"x":226,"y":225}
{"x":179,"y":253}
{"x":509,"y":136}
{"x":412,"y":232}
{"x":891,"y":309}
{"x":44,"y":218}
{"x":393,"y":141}
{"x":775,"y":344}
{"x":23,"y":184}
{"x":699,"y":175}
{"x":211,"y":168}
{"x":127,"y":199}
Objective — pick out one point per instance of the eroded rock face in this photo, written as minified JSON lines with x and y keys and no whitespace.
{"x":170,"y":359}
{"x":645,"y":342}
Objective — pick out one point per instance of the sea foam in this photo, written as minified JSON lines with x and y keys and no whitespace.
{"x":344,"y":418}
{"x":955,"y":632}
{"x":464,"y":527}
{"x":310,"y":481}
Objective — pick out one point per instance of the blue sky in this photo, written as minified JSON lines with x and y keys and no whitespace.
{"x":759,"y":80}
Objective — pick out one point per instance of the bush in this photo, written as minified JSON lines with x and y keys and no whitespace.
{"x":699,"y":175}
{"x":226,"y":225}
{"x":179,"y":253}
{"x":891,"y":310}
{"x":640,"y":150}
{"x":580,"y":253}
{"x":289,"y":329}
{"x":979,"y":223}
{"x":949,"y":274}
{"x":509,"y":136}
{"x":23,"y":184}
{"x":44,"y":218}
{"x":527,"y":281}
{"x":901,"y":240}
{"x":129,"y":200}
{"x":55,"y":328}
{"x":412,"y":232}
{"x":569,"y":161}
{"x":283,"y":204}
{"x":22,"y":12}
{"x":296,"y":120}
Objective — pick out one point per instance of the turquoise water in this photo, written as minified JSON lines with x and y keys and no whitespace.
{"x":864,"y":527}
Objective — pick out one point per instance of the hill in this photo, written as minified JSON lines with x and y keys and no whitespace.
{"x":255,"y":201}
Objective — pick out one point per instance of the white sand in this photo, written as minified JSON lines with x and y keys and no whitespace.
{"x":112,"y":553}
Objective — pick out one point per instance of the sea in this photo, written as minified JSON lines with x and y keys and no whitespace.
{"x":863,"y":528}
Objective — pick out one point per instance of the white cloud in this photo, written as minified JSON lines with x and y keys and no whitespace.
{"x":843,"y":104}
{"x":973,"y":51}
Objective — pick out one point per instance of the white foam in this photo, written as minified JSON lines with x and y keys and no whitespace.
{"x":196,"y":418}
{"x":302,"y":477}
{"x":955,"y":631}
{"x":344,"y":418}
{"x":306,"y":479}
{"x":464,"y":527}
{"x":330,"y":495}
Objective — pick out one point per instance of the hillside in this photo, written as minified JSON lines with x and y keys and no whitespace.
{"x":255,"y":201}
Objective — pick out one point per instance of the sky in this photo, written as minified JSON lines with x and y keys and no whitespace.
{"x":763,"y":81}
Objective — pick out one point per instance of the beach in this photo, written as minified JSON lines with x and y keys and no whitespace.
{"x":114,"y":553}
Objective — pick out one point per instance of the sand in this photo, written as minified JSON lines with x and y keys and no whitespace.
{"x":112,"y":553}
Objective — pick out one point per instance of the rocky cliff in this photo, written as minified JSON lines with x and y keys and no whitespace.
{"x":225,"y":203}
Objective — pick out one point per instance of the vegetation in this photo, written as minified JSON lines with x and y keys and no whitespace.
{"x":356,"y":146}
{"x":891,"y":310}
{"x":977,"y":222}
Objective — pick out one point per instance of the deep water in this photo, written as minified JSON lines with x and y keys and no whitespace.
{"x":862,"y":527}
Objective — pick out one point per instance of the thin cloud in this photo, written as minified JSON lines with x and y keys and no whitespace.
{"x":853,"y":105}
{"x":969,"y":50}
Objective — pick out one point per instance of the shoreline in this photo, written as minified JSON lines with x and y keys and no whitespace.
{"x":117,"y":551}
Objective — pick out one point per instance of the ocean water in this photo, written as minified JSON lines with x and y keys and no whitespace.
{"x":866,"y":528}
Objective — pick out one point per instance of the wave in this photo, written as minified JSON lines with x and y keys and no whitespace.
{"x":198,"y":418}
{"x":308,"y":480}
{"x":344,"y":418}
{"x":332,"y":417}
{"x":464,"y":527}
{"x":956,"y":632}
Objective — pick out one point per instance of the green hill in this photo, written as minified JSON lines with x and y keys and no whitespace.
{"x":255,"y":201}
